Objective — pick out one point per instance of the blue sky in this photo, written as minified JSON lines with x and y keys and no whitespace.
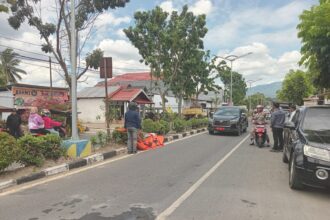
{"x":267,"y":28}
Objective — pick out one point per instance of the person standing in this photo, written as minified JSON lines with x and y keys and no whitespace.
{"x":13,"y":124}
{"x":277,"y":125}
{"x":132,"y":124}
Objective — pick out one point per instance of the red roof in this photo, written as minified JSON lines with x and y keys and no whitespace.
{"x":142,"y":76}
{"x":130,"y":94}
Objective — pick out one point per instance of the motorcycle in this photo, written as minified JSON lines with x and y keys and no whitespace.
{"x":61,"y":130}
{"x":260,"y":135}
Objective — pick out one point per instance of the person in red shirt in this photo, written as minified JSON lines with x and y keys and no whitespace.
{"x":49,"y":123}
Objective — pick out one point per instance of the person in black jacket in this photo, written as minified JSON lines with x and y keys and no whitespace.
{"x":132,"y":124}
{"x":13,"y":124}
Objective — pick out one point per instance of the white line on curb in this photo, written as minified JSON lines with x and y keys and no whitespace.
{"x":167,"y":212}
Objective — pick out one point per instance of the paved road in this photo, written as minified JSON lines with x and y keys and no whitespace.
{"x":250,"y":183}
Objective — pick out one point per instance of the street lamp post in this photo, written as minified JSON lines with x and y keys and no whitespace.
{"x":250,"y":83}
{"x":231,"y":59}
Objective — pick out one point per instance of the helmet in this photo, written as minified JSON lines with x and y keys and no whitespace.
{"x":260,"y":106}
{"x":45,"y":112}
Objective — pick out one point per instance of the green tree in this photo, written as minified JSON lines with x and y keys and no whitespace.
{"x":57,"y":34}
{"x":149,"y":36}
{"x":171,"y":46}
{"x":314,"y":31}
{"x":256,"y":99}
{"x":295,"y":87}
{"x":9,"y":71}
{"x":239,"y":86}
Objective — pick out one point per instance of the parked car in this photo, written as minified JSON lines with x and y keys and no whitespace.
{"x":307,"y":147}
{"x":229,"y":119}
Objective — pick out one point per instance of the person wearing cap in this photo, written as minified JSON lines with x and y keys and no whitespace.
{"x":258,"y":118}
{"x":13,"y":124}
{"x":132,"y":124}
{"x":50,"y":123}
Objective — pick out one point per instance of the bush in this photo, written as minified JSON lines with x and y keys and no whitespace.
{"x":164,"y":127}
{"x":150,"y":126}
{"x":179,"y":125}
{"x":119,"y":137}
{"x":32,"y":150}
{"x":101,"y":138}
{"x":52,"y":146}
{"x":9,"y":150}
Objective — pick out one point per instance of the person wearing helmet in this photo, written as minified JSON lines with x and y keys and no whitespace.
{"x":132,"y":124}
{"x":259,"y":118}
{"x":49,"y":123}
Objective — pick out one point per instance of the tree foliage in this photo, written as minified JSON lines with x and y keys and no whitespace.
{"x":172,"y":45}
{"x":239,"y":86}
{"x":57,"y":34}
{"x":295,"y":87}
{"x":314,"y":31}
{"x":9,"y":71}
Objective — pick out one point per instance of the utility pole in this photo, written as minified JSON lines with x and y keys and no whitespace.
{"x":107,"y":118}
{"x":50,"y":77}
{"x":75,"y":135}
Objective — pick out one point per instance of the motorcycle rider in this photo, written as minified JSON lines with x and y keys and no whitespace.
{"x":49,"y":123}
{"x":259,"y":118}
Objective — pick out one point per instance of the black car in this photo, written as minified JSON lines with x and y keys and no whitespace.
{"x":229,"y":119}
{"x":307,"y":147}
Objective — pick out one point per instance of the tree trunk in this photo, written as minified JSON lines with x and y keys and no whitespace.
{"x":163,"y":102}
{"x":180,"y":106}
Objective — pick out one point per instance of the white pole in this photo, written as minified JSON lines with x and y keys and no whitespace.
{"x":75,"y":135}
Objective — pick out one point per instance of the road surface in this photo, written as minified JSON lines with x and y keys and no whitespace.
{"x":201,"y":177}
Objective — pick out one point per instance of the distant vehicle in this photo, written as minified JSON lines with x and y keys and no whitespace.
{"x":229,"y":119}
{"x":307,"y":147}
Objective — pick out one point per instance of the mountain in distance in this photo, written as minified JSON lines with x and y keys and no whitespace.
{"x":269,"y":90}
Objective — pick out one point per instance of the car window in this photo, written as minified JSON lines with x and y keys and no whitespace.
{"x":317,"y":119}
{"x":228,"y":112}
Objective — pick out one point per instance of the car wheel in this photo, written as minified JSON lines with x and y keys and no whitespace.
{"x":284,"y":157}
{"x":294,"y":181}
{"x":239,"y":131}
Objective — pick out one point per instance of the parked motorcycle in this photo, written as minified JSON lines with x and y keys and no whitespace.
{"x":260,"y":135}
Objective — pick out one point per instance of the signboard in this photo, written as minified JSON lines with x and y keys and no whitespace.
{"x":106,"y":67}
{"x":26,"y":96}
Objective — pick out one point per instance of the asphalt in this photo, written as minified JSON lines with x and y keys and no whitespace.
{"x":251,"y":184}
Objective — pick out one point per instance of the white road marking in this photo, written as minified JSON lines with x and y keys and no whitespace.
{"x":19,"y":188}
{"x":167,"y":212}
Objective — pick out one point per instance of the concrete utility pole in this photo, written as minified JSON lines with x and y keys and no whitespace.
{"x":231,"y":59}
{"x":50,"y":77}
{"x":75,"y":135}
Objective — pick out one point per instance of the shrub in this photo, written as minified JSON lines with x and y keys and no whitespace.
{"x":102,"y":139}
{"x":32,"y":150}
{"x":52,"y":146}
{"x":150,"y":126}
{"x":119,"y":137}
{"x":179,"y":125}
{"x":9,"y":150}
{"x":164,"y":127}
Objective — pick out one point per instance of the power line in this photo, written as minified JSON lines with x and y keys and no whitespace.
{"x":24,"y":50}
{"x":13,"y":39}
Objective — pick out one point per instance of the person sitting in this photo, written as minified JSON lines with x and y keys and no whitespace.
{"x":36,"y":123}
{"x":49,"y":123}
{"x":259,"y":118}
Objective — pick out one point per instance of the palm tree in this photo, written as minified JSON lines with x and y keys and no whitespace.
{"x":9,"y":72}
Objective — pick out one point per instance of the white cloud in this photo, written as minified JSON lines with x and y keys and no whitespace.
{"x":167,"y":6}
{"x":274,"y":25}
{"x":261,"y":65}
{"x":109,"y":19}
{"x":202,"y":7}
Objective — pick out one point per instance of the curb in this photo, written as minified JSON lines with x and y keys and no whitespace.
{"x":95,"y":158}
{"x":98,"y":157}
